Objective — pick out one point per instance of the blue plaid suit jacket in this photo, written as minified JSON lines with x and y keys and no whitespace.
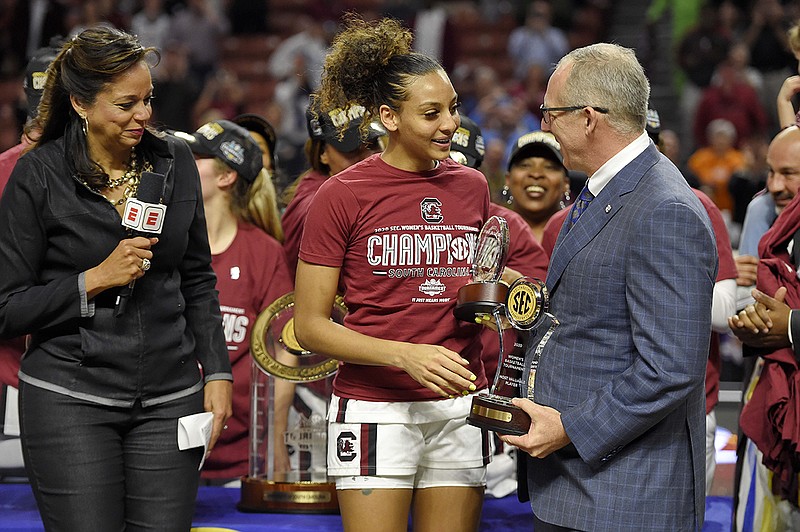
{"x":631,"y":284}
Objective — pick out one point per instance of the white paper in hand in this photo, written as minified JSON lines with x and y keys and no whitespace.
{"x":195,"y":431}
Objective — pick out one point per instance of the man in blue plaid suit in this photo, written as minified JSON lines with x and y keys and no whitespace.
{"x":617,"y":441}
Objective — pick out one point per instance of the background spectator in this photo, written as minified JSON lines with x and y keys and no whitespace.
{"x":222,"y":97}
{"x":537,"y":42}
{"x":769,"y":51}
{"x":494,"y":168}
{"x":700,"y":51}
{"x":200,"y":27}
{"x":152,"y":24}
{"x":302,"y":53}
{"x":714,"y":164}
{"x":248,"y":17}
{"x":731,"y":97}
{"x":175,"y":89}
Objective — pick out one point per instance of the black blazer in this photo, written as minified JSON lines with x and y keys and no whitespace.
{"x":54,"y":228}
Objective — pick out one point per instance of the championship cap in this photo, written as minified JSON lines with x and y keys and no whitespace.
{"x":36,"y":74}
{"x":229,"y":142}
{"x":536,"y":144}
{"x":467,"y":146}
{"x":653,"y":125}
{"x":327,"y":127}
{"x":259,"y":124}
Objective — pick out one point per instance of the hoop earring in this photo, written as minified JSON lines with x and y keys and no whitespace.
{"x":85,"y":126}
{"x":506,"y":195}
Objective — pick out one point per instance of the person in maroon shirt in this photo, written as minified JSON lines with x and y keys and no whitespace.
{"x":397,"y":231}
{"x":247,"y":257}
{"x":723,"y":304}
{"x":328,"y":154}
{"x":35,"y":76}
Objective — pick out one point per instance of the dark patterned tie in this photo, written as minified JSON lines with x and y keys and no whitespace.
{"x":580,"y":205}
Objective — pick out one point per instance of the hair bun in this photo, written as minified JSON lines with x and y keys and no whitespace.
{"x":358,"y":55}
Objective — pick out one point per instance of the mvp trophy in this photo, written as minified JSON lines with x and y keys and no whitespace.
{"x":523,"y":305}
{"x":283,"y":373}
{"x":486,"y":294}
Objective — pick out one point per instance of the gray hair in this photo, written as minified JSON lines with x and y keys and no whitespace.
{"x":720,"y":125}
{"x":610,"y":76}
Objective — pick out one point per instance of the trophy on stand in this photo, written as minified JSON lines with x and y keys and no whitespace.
{"x":523,"y":305}
{"x":303,"y":485}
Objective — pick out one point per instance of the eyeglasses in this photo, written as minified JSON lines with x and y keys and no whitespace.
{"x":547,"y":110}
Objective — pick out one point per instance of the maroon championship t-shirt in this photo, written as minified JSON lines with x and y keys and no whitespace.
{"x":404,"y":242}
{"x":294,"y":217}
{"x":251,"y":274}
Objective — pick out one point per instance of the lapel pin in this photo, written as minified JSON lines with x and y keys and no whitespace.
{"x":608,"y":208}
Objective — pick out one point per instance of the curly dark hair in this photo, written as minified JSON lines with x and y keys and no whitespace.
{"x":371,"y":64}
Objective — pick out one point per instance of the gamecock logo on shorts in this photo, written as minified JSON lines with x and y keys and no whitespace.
{"x":346,"y":447}
{"x":431,"y":210}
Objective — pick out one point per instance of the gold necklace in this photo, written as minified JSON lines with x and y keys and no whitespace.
{"x":130,"y":174}
{"x":130,"y":179}
{"x":131,"y":182}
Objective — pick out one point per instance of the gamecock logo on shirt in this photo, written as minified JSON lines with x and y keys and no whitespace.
{"x":431,"y":210}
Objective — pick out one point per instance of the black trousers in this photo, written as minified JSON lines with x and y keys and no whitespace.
{"x":100,"y":468}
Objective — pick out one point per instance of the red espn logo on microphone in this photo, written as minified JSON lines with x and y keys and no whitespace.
{"x":144,"y":217}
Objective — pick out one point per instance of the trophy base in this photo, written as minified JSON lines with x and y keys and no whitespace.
{"x":496,"y":413}
{"x":475,"y":299}
{"x":262,"y":495}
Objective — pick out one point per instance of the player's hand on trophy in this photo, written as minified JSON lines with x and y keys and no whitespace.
{"x":490,"y":321}
{"x":510,"y":275}
{"x":438,"y":369}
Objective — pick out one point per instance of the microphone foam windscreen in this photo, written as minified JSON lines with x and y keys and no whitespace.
{"x":151,"y":186}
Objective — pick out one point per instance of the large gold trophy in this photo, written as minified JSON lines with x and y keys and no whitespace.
{"x":300,"y":485}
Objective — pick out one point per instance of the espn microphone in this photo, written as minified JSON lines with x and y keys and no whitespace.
{"x":143,"y":216}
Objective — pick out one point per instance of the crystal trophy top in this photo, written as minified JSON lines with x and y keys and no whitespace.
{"x":485,"y":294}
{"x":492,"y":251}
